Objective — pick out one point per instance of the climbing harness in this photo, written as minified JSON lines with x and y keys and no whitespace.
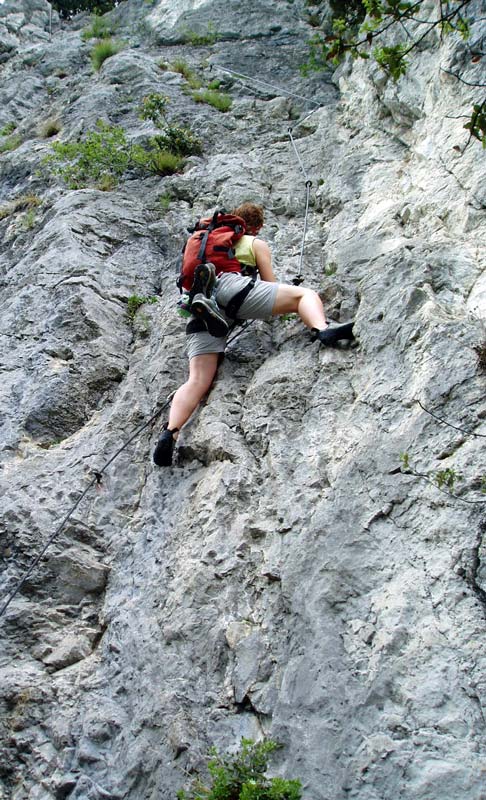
{"x":96,"y":480}
{"x":234,"y":305}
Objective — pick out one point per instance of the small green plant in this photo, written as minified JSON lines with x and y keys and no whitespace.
{"x":103,"y":50}
{"x":330,"y":269}
{"x":135,"y":301}
{"x":163,"y":202}
{"x":49,"y":128}
{"x":242,"y":777}
{"x":106,"y":183}
{"x":215,"y":84}
{"x":24,"y":202}
{"x":477,"y":124}
{"x":288,"y":317}
{"x":174,"y":139}
{"x":442,"y":479}
{"x":218,"y":100}
{"x":183,"y":68}
{"x":180,"y":141}
{"x":198,"y":39}
{"x":160,"y":162}
{"x":8,"y":129}
{"x":154,"y":108}
{"x":100,"y":29}
{"x":10,"y":143}
{"x":28,"y":220}
{"x":405,"y":459}
{"x":446,"y":478}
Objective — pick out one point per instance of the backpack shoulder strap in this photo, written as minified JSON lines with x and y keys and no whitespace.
{"x":212,"y":225}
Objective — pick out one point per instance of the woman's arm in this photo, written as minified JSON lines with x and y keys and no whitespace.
{"x":263,"y":258}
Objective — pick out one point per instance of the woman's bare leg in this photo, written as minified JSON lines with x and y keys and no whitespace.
{"x":305,"y":302}
{"x":202,"y":370}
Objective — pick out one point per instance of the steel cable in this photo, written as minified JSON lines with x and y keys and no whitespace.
{"x":97,"y":478}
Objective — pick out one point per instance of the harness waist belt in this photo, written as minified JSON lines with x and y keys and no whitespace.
{"x":234,"y":305}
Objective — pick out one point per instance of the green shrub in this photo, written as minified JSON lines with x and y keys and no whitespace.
{"x":180,"y":141}
{"x":103,"y":50}
{"x":10,"y":143}
{"x":8,"y":129}
{"x":135,"y":301}
{"x":175,"y":139}
{"x":22,"y":203}
{"x":218,"y":100}
{"x":197,"y":39}
{"x":104,"y":153}
{"x":160,"y":162}
{"x":242,"y":777}
{"x":100,"y":29}
{"x":28,"y":220}
{"x":183,"y":68}
{"x":154,"y":107}
{"x":104,"y":156}
{"x":164,"y":201}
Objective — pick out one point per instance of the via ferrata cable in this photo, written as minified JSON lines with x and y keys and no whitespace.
{"x":97,"y":479}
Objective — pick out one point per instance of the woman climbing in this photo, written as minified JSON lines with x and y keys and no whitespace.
{"x":264,"y":299}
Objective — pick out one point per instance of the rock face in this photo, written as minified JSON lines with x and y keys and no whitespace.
{"x":287,"y":577}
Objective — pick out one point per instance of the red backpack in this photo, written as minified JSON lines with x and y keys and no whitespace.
{"x":213,"y":239}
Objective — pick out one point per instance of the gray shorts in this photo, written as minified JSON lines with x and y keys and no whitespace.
{"x":258,"y":304}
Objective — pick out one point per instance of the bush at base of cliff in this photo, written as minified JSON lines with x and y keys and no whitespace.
{"x":242,"y":777}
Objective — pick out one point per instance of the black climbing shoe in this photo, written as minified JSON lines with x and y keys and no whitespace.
{"x":207,"y":309}
{"x":165,"y":448}
{"x":204,"y":279}
{"x":331,"y":336}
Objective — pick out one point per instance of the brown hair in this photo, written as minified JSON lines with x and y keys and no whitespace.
{"x":251,"y":213}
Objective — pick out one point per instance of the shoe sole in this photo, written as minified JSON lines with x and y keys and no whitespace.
{"x":203,"y":281}
{"x":215,"y":325}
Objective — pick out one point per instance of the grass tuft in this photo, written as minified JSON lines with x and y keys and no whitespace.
{"x":218,"y":100}
{"x":103,"y":50}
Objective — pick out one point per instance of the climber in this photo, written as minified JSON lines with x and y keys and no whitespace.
{"x":267,"y":298}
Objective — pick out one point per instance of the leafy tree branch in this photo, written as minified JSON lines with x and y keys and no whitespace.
{"x":377,"y":29}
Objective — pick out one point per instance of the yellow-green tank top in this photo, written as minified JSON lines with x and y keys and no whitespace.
{"x":244,"y":250}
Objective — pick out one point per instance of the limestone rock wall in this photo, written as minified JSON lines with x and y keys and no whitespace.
{"x":284,"y":578}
